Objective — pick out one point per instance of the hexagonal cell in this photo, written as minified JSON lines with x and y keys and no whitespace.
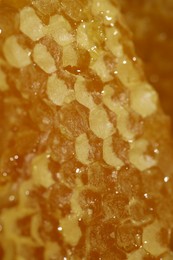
{"x":128,"y":237}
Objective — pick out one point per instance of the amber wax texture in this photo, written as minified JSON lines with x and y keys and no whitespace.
{"x":85,"y":149}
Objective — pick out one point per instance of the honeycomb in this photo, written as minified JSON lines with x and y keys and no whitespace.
{"x":86,"y":151}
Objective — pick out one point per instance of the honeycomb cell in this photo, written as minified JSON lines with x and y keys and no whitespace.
{"x":115,"y":207}
{"x":15,"y":54}
{"x":90,"y":202}
{"x":30,"y":24}
{"x":43,"y":58}
{"x":129,"y":237}
{"x":151,"y":240}
{"x":73,"y":119}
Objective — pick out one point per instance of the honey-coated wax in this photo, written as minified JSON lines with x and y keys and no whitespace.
{"x":86,"y":154}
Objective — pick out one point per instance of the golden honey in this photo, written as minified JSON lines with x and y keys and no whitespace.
{"x":151,"y":24}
